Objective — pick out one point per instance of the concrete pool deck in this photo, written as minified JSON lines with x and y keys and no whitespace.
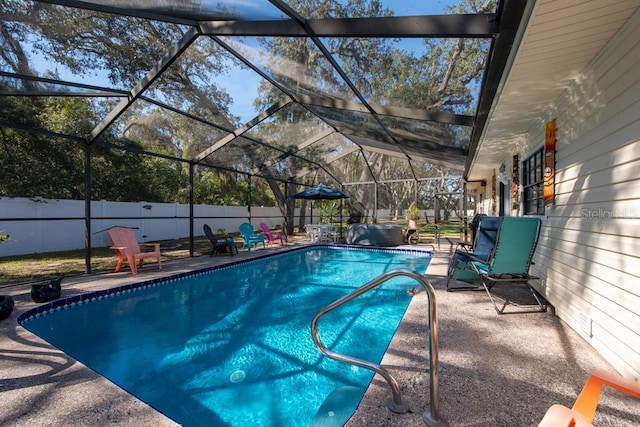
{"x":493,"y":370}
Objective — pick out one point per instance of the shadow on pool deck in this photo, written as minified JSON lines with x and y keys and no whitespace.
{"x":493,"y":371}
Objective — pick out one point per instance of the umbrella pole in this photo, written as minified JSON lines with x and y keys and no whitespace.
{"x":341,"y":208}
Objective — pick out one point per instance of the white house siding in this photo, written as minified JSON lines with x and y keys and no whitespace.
{"x":589,"y":251}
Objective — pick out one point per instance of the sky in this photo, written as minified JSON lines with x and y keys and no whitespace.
{"x":420,"y":7}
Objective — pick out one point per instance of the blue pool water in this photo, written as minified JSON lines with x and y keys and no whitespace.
{"x":232,"y":346}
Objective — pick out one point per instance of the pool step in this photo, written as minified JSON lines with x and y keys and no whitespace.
{"x":338,"y":407}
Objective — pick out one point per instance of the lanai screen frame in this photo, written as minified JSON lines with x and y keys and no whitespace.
{"x":500,"y":27}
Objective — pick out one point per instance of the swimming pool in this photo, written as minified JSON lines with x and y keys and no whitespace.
{"x":232,"y":345}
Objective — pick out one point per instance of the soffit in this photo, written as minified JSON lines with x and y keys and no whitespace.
{"x":561,"y":38}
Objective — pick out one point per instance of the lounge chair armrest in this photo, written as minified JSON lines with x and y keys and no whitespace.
{"x":472,"y":258}
{"x":464,"y":246}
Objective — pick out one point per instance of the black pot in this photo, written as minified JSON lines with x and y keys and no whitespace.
{"x":43,"y":292}
{"x":6,"y":306}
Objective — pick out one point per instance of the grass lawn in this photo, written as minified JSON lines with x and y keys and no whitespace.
{"x":23,"y":269}
{"x":36,"y":267}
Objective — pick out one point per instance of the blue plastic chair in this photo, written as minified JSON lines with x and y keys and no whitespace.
{"x":250,"y":237}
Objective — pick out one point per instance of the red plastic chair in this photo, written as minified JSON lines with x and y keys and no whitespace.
{"x":584,"y":408}
{"x":272,"y":235}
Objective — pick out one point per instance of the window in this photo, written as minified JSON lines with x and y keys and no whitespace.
{"x":532,"y":182}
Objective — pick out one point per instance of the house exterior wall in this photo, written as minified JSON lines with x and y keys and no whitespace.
{"x":589,"y":249}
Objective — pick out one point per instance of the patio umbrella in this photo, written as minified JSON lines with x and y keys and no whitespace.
{"x":321,"y":192}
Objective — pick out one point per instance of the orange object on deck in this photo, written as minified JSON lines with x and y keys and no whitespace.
{"x":584,"y":408}
{"x":126,"y":246}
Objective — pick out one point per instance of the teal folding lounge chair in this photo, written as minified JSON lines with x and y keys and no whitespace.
{"x":250,"y":237}
{"x":485,"y":239}
{"x":509,"y":263}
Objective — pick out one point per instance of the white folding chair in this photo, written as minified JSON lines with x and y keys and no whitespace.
{"x":313,"y":232}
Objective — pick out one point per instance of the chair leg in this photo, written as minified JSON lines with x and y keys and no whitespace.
{"x":449,"y":280}
{"x":493,"y":301}
{"x":452,"y":276}
{"x":132,"y":263}
{"x":501,"y":310}
{"x":119,"y":264}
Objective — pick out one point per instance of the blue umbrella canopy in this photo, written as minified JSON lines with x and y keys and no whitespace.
{"x":321,"y":192}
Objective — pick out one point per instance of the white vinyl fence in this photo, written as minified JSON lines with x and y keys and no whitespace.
{"x":386,"y":214}
{"x":41,"y":225}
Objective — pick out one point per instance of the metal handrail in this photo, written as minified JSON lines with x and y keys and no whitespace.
{"x":432,"y":416}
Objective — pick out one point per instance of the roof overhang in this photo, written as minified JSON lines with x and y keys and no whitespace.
{"x":554,"y":44}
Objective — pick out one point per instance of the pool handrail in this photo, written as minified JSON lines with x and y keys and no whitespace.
{"x":432,"y":416}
